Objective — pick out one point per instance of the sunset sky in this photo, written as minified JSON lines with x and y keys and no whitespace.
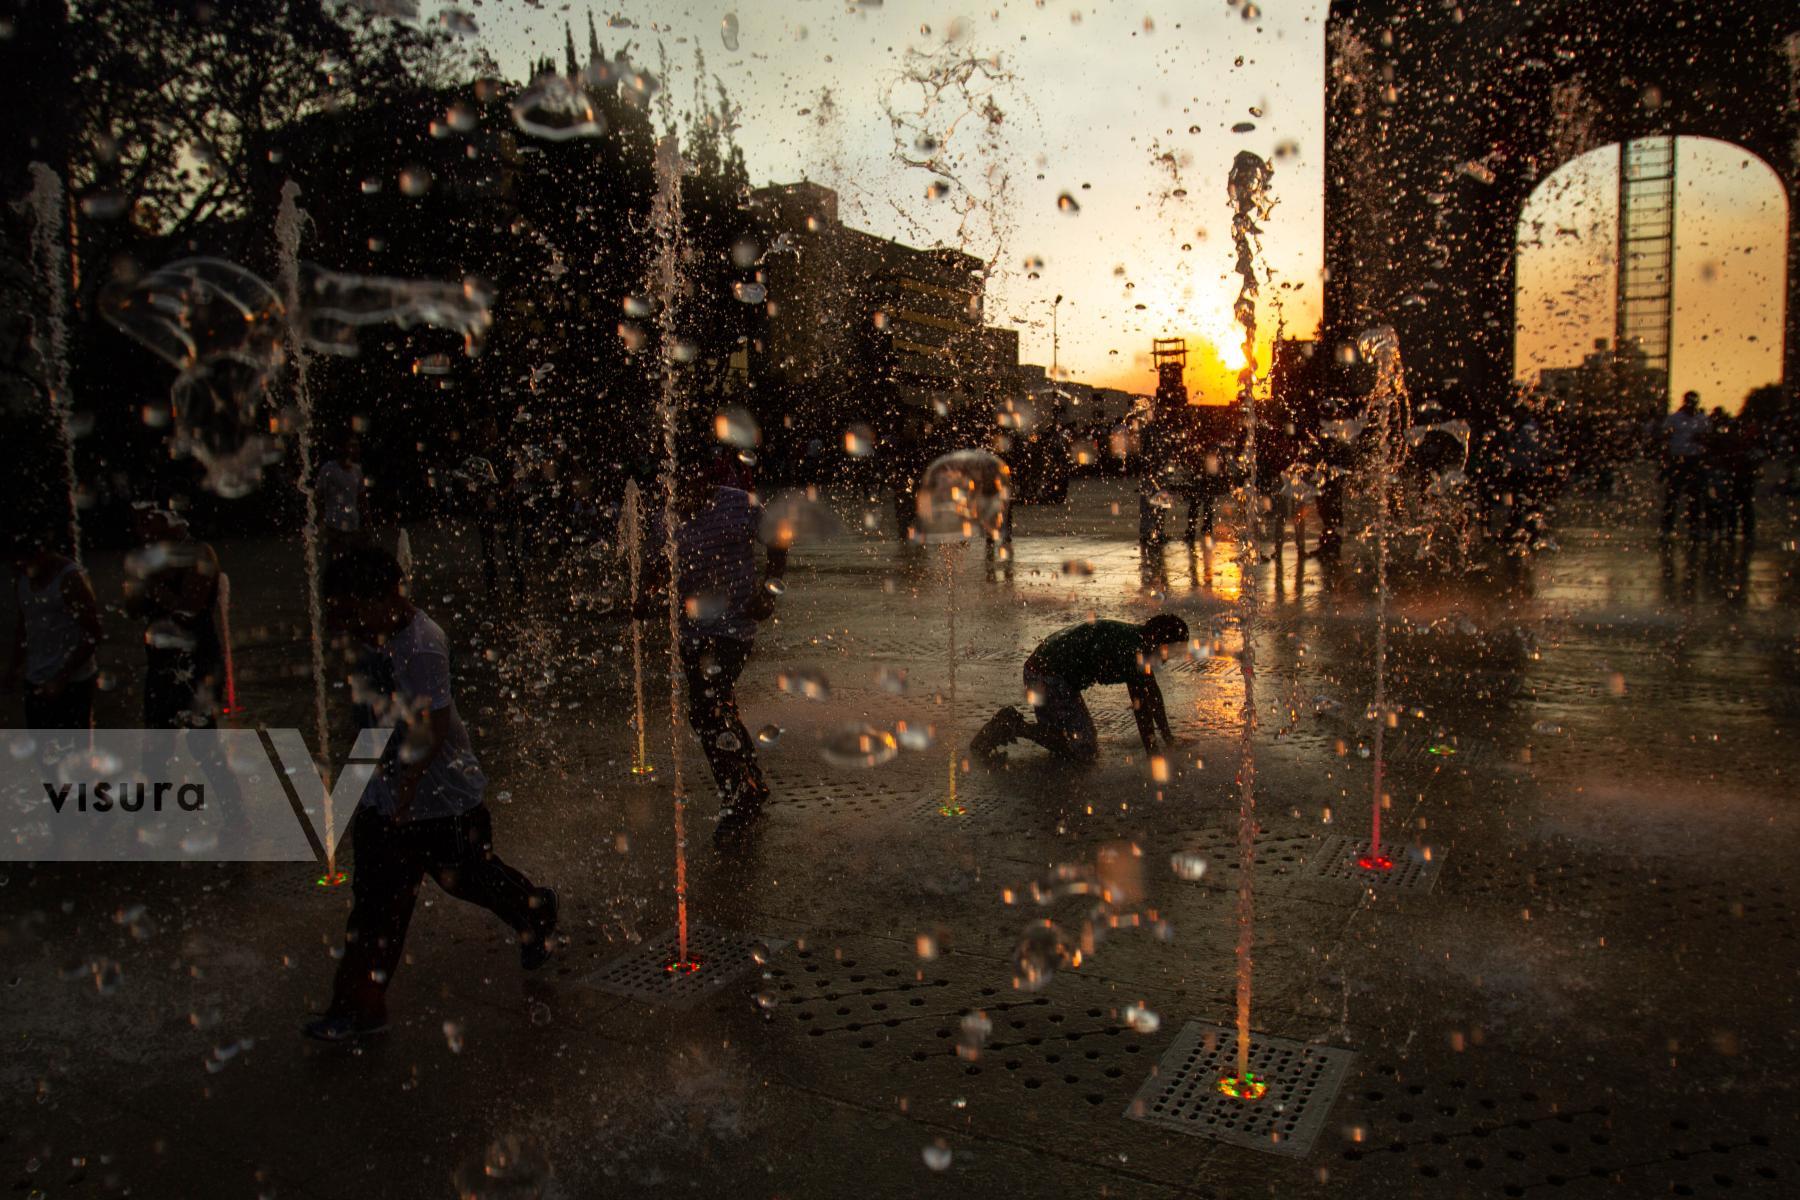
{"x":1130,"y":112}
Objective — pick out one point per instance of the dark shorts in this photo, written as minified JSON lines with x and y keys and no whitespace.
{"x":1059,"y":708}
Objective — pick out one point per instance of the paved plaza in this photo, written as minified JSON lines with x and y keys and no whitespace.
{"x":1579,"y":980}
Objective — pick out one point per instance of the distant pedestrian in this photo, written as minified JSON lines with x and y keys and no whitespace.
{"x":1069,"y":662}
{"x":716,"y":532}
{"x":494,"y":494}
{"x":341,"y":494}
{"x":173,"y":586}
{"x":422,"y":813}
{"x":1684,"y":441}
{"x":55,"y":637}
{"x":1731,"y":463}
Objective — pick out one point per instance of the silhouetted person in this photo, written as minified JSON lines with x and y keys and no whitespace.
{"x":173,"y":585}
{"x":716,"y":532}
{"x":494,"y":496}
{"x":1684,"y":441}
{"x":1731,"y":463}
{"x":341,"y":494}
{"x":422,"y":813}
{"x":57,"y":631}
{"x":1069,"y":662}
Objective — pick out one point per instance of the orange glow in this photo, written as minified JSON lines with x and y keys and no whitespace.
{"x":1212,"y":367}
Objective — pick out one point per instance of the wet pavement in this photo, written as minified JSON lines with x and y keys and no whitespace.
{"x":1582,"y":985}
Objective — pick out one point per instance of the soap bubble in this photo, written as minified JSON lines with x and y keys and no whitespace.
{"x":194,"y":309}
{"x":736,"y":427}
{"x":859,"y":441}
{"x":914,"y":737}
{"x":221,"y":421}
{"x":556,"y":108}
{"x":1187,"y":866}
{"x":333,"y":305}
{"x":1140,"y":1019}
{"x":1042,"y":951}
{"x":859,"y":746}
{"x":768,"y":735}
{"x":963,"y":493}
{"x":798,"y":518}
{"x":937,"y":1155}
{"x":804,"y":683}
{"x":511,"y":1168}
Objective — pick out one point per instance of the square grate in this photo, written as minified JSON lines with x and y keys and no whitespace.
{"x":644,"y":973}
{"x":1414,"y":868}
{"x":1182,"y":1093}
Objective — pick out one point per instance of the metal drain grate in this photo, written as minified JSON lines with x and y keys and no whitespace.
{"x":1183,"y":1092}
{"x":644,"y":974}
{"x":1414,"y":869}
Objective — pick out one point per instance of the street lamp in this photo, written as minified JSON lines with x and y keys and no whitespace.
{"x":1054,"y":305}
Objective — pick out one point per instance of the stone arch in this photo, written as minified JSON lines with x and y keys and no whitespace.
{"x":1441,"y":120}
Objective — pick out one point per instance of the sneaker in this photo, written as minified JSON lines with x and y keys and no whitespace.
{"x":539,"y":943}
{"x":737,"y":820}
{"x":339,"y":1028}
{"x":1001,"y":729}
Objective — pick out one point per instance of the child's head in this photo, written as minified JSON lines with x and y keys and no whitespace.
{"x":1165,"y":629}
{"x":362,"y":595}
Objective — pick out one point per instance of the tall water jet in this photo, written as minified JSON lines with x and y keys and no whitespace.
{"x":634,"y":562}
{"x":223,"y":617}
{"x":1381,"y":347}
{"x":290,"y":223}
{"x":1250,"y":202}
{"x":951,"y":807}
{"x":665,"y":224}
{"x":47,"y":202}
{"x":961,"y":495}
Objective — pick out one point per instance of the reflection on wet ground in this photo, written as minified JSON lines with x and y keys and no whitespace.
{"x":1593,"y":993}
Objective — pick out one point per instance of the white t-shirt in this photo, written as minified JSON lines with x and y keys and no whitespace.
{"x":340,"y":496}
{"x":405,"y":681}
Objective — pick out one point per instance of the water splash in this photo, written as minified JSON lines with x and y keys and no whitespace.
{"x":290,"y":225}
{"x":1387,"y":401}
{"x":634,"y":560}
{"x":46,"y":200}
{"x":226,"y":331}
{"x":961,"y":495}
{"x":557,"y":108}
{"x":666,"y":283}
{"x":333,"y":305}
{"x":1248,"y":187}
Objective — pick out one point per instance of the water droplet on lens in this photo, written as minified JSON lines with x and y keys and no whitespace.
{"x":728,"y":31}
{"x":768,"y":735}
{"x":736,"y":427}
{"x":1187,"y":866}
{"x":859,"y":745}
